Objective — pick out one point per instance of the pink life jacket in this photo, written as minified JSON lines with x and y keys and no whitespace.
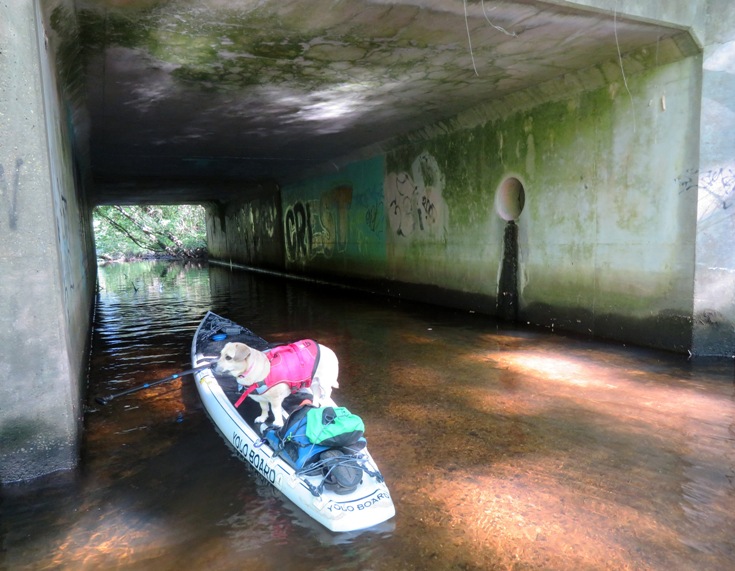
{"x":294,"y":364}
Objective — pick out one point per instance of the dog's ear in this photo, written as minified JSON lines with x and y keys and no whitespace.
{"x":242,"y":352}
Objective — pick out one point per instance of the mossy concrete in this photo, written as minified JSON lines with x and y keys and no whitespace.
{"x":606,"y":237}
{"x":272,"y":89}
{"x":594,"y":106}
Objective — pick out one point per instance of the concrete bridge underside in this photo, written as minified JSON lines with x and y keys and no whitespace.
{"x":567,"y":164}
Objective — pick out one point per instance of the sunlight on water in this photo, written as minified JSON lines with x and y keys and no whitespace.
{"x":502,"y":448}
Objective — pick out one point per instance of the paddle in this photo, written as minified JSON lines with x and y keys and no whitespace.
{"x":108,"y":398}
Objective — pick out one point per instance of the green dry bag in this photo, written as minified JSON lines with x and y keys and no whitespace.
{"x":333,"y":426}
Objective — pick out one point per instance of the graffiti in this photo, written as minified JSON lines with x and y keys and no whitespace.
{"x":415,"y":202}
{"x":265,"y":220}
{"x":298,"y":232}
{"x":324,"y":231}
{"x":429,"y":210}
{"x":719,"y":184}
{"x":63,"y":229}
{"x":318,"y":227}
{"x":687,"y":181}
{"x":260,"y":226}
{"x":402,"y":192}
{"x":372,"y":217}
{"x":334,"y":209}
{"x":11,"y":193}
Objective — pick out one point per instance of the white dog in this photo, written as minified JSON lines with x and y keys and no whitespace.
{"x":271,"y":376}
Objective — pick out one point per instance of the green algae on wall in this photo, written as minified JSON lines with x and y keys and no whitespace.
{"x":605,"y":236}
{"x":447,"y":179}
{"x":605,"y":229}
{"x":336,"y":222}
{"x":230,"y":47}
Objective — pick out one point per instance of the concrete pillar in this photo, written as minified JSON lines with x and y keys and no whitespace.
{"x":47,"y":284}
{"x":714,"y":291}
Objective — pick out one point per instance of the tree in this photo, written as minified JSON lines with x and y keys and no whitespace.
{"x":139,"y":231}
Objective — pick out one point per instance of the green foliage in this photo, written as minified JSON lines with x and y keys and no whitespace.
{"x":146,"y":231}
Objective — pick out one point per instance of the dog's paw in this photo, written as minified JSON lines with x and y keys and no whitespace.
{"x":260,"y":419}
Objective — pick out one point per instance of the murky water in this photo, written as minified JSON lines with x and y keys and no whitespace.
{"x":503,"y":448}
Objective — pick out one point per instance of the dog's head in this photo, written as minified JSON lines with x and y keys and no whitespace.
{"x":247,"y":365}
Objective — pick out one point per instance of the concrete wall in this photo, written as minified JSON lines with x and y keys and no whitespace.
{"x":607,"y":231}
{"x":248,"y":232}
{"x":606,"y":238}
{"x":618,"y":180}
{"x":336,"y":223}
{"x":714,"y":183}
{"x":47,"y":288}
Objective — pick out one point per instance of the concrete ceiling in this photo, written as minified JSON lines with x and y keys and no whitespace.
{"x":183,"y":93}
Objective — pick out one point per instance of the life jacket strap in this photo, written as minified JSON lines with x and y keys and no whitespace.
{"x":246,"y":392}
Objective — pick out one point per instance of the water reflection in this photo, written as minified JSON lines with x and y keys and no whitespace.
{"x":502,"y":448}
